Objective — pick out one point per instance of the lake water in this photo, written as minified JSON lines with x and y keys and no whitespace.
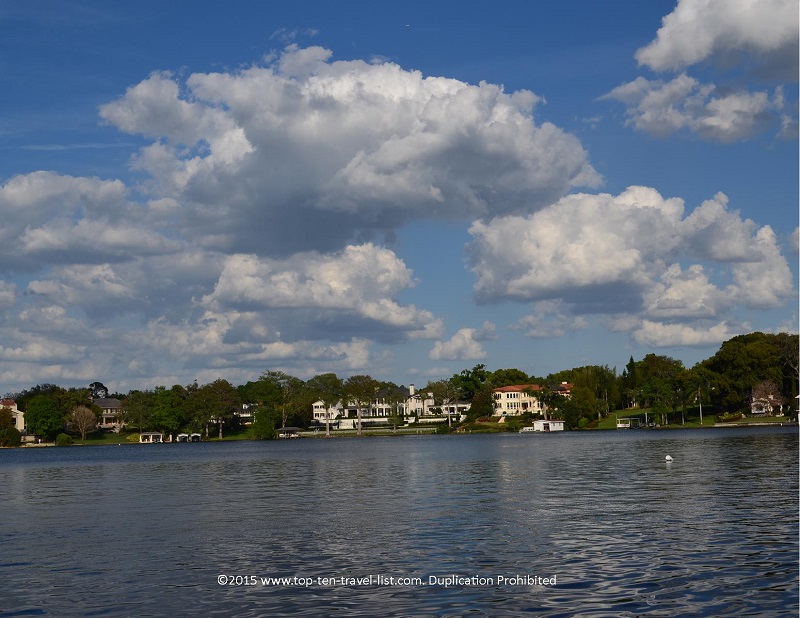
{"x":580,"y":523}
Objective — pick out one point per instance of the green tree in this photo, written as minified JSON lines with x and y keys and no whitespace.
{"x":288,"y":395}
{"x":395,"y":397}
{"x":328,"y":388}
{"x":167,"y":408}
{"x":217,"y":402}
{"x":508,"y":377}
{"x":482,"y":403}
{"x":264,"y":421}
{"x":98,"y":390}
{"x":9,"y":435}
{"x":23,"y":397}
{"x":657,"y":375}
{"x":361,"y":390}
{"x":471,"y":381}
{"x":577,"y":409}
{"x":787,"y":346}
{"x":550,"y":398}
{"x":137,"y":409}
{"x":43,"y":417}
{"x":445,"y":393}
{"x":744,"y":361}
{"x":68,"y":399}
{"x":630,"y":384}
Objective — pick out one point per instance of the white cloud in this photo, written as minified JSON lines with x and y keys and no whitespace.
{"x":752,"y":39}
{"x":684,"y":294}
{"x":683,"y":103}
{"x":579,"y":244}
{"x":207,"y":338}
{"x":657,"y":334}
{"x":464,"y":345}
{"x":305,"y":153}
{"x":765,"y":280}
{"x":550,"y":319}
{"x":631,"y":257}
{"x":49,"y":217}
{"x":8,"y":294}
{"x":247,"y":240}
{"x":324,"y":291}
{"x":698,"y":30}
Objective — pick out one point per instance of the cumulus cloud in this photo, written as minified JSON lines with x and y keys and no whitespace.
{"x":757,"y":38}
{"x":464,"y":345}
{"x":251,"y":234}
{"x":659,"y":334}
{"x":577,"y":247}
{"x":305,"y":153}
{"x":50,"y":217}
{"x":8,"y":294}
{"x":550,"y":319}
{"x":636,"y":255}
{"x":684,"y":104}
{"x":315,"y":293}
{"x":699,"y":30}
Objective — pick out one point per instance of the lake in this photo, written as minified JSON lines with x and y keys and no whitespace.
{"x":579,"y":523}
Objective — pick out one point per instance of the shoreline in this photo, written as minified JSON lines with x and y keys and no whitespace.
{"x":384,"y":433}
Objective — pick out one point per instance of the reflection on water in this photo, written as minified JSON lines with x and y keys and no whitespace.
{"x":147,"y":529}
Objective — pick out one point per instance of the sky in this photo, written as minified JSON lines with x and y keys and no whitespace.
{"x":201,"y":190}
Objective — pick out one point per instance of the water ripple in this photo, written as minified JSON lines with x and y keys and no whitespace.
{"x":147,"y":530}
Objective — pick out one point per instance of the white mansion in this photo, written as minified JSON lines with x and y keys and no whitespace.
{"x":413,"y":406}
{"x":518,"y":399}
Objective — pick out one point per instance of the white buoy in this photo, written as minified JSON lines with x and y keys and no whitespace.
{"x":668,"y":459}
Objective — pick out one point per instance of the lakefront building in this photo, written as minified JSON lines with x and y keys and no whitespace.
{"x":517,"y":399}
{"x":413,"y":406}
{"x":17,"y":415}
{"x":111,"y":416}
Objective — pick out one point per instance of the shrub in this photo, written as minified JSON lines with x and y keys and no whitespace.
{"x":63,"y":439}
{"x":10,"y":436}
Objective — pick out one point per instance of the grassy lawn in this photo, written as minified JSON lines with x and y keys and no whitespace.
{"x":692,"y":418}
{"x":761,"y":419}
{"x":99,"y":439}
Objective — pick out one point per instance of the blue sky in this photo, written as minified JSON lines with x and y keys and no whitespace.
{"x":194,"y":190}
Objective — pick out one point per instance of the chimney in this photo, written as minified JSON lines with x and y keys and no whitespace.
{"x":411,"y":390}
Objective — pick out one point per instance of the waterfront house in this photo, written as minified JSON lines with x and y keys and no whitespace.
{"x":767,"y":405}
{"x":517,"y":399}
{"x":151,"y":437}
{"x":111,"y":415}
{"x":548,"y":425}
{"x":246,"y":414}
{"x":412,"y":404}
{"x":17,"y":415}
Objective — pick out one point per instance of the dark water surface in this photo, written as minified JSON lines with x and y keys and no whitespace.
{"x":151,"y":530}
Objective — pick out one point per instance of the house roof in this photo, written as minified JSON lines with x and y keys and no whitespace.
{"x":517,"y":388}
{"x":107,"y":402}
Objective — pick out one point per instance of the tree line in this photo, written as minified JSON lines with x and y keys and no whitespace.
{"x":747,"y":365}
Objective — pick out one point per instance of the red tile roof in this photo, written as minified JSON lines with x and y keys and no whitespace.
{"x":517,"y":388}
